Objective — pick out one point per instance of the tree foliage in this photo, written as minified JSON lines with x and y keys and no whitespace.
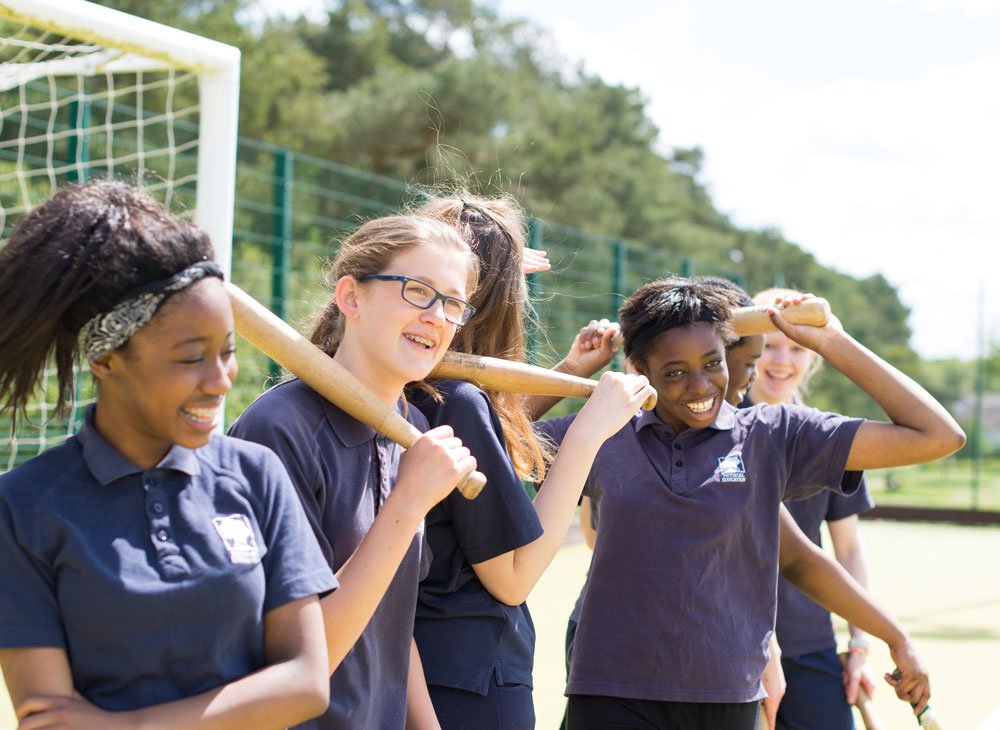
{"x":430,"y":91}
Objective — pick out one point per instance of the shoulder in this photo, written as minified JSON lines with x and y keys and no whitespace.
{"x":289,"y":406}
{"x":235,"y":455}
{"x":458,"y":400}
{"x":44,"y":473}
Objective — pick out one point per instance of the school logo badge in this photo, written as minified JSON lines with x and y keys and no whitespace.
{"x":731,"y":468}
{"x":237,"y":536}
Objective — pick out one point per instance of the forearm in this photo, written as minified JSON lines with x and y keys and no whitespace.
{"x":37,"y":671}
{"x":827,"y":583}
{"x":277,"y":696}
{"x":420,"y":713}
{"x":511,"y":577}
{"x":366,"y":575}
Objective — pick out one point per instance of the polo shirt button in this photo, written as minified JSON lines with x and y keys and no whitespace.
{"x":158,"y":508}
{"x":151,"y":482}
{"x":678,"y":447}
{"x":678,"y":463}
{"x":162,"y":535}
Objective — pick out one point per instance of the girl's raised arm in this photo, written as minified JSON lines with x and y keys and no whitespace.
{"x":921,"y":429}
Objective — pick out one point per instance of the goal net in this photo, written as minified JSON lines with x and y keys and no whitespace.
{"x":88,"y":92}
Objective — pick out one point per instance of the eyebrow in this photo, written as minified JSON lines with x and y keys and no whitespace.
{"x":711,"y":353}
{"x":193,"y":340}
{"x":425,"y":280}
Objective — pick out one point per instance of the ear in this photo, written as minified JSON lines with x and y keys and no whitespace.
{"x":347,"y":294}
{"x":637,"y":367}
{"x":103,"y":368}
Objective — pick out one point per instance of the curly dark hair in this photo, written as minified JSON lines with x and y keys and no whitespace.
{"x":669,"y":303}
{"x":70,"y":259}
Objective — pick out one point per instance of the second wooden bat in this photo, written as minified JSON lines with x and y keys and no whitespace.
{"x":493,"y":373}
{"x":279,"y":341}
{"x":755,"y":320}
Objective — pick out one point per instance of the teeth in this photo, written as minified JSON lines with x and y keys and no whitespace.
{"x":420,"y":340}
{"x":201,"y":415}
{"x":702,"y":406}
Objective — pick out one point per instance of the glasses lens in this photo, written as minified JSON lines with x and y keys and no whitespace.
{"x":418,"y":293}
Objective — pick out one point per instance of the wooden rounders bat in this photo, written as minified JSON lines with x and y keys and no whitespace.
{"x":494,"y":373}
{"x":748,"y":321}
{"x":279,"y":341}
{"x":864,"y":704}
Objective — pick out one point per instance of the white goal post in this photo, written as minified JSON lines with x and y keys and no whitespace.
{"x":87,"y":91}
{"x":125,"y":43}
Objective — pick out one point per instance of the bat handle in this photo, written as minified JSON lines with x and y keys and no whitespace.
{"x":472,"y":484}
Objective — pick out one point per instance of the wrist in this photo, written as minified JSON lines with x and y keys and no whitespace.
{"x":859,"y":645}
{"x":403,"y":508}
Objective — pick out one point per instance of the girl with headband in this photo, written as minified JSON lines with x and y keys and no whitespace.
{"x":153,"y":574}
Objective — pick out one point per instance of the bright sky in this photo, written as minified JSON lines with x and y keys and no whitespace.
{"x":867,"y":131}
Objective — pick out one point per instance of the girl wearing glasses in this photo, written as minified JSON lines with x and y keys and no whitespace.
{"x":490,"y":552}
{"x":400,"y":290}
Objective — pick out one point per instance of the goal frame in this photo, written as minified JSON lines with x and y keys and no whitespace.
{"x":145,"y":43}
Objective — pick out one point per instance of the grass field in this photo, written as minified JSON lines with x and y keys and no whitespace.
{"x":942,"y":581}
{"x":947,"y":483}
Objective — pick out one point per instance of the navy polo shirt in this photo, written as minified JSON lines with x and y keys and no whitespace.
{"x":343,"y":471}
{"x":467,"y":637}
{"x":803,"y":626}
{"x":154,"y":582}
{"x":680,"y":601}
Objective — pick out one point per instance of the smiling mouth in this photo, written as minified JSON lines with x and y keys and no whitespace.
{"x":423,"y":341}
{"x":701,"y":406}
{"x":201,"y":416}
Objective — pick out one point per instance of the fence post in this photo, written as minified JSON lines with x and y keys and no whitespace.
{"x":687,"y":268}
{"x":618,"y":291}
{"x":281,"y":232}
{"x":78,"y":150}
{"x":535,"y":240}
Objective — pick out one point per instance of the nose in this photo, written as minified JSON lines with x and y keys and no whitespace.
{"x":698,"y":381}
{"x":219,"y":374}
{"x":435,"y":313}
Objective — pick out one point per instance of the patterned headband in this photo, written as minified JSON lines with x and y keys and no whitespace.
{"x":110,"y":330}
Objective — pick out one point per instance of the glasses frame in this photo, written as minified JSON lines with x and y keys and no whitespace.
{"x":438,"y":296}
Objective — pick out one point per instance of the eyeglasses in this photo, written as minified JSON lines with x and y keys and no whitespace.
{"x":423,"y":296}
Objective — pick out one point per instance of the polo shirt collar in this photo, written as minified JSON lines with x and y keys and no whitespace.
{"x":107,"y":464}
{"x":350,"y":431}
{"x":724,"y":420}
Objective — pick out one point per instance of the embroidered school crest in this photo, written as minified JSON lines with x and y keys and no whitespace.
{"x":731,"y":468}
{"x":237,"y":536}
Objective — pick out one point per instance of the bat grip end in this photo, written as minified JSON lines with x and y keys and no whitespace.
{"x":472,"y":484}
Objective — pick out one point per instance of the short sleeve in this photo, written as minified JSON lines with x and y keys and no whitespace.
{"x":814,"y":446}
{"x":841,"y":506}
{"x":294,"y":565}
{"x":29,"y":608}
{"x":502,"y":518}
{"x":281,"y":426}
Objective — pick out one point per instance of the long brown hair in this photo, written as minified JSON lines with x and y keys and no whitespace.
{"x":495,"y":230}
{"x":370,"y":250}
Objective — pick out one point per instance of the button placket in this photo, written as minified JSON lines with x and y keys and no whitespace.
{"x":160,"y":529}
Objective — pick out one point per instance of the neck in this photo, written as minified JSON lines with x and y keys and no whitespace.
{"x":141,"y":450}
{"x":355,"y":359}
